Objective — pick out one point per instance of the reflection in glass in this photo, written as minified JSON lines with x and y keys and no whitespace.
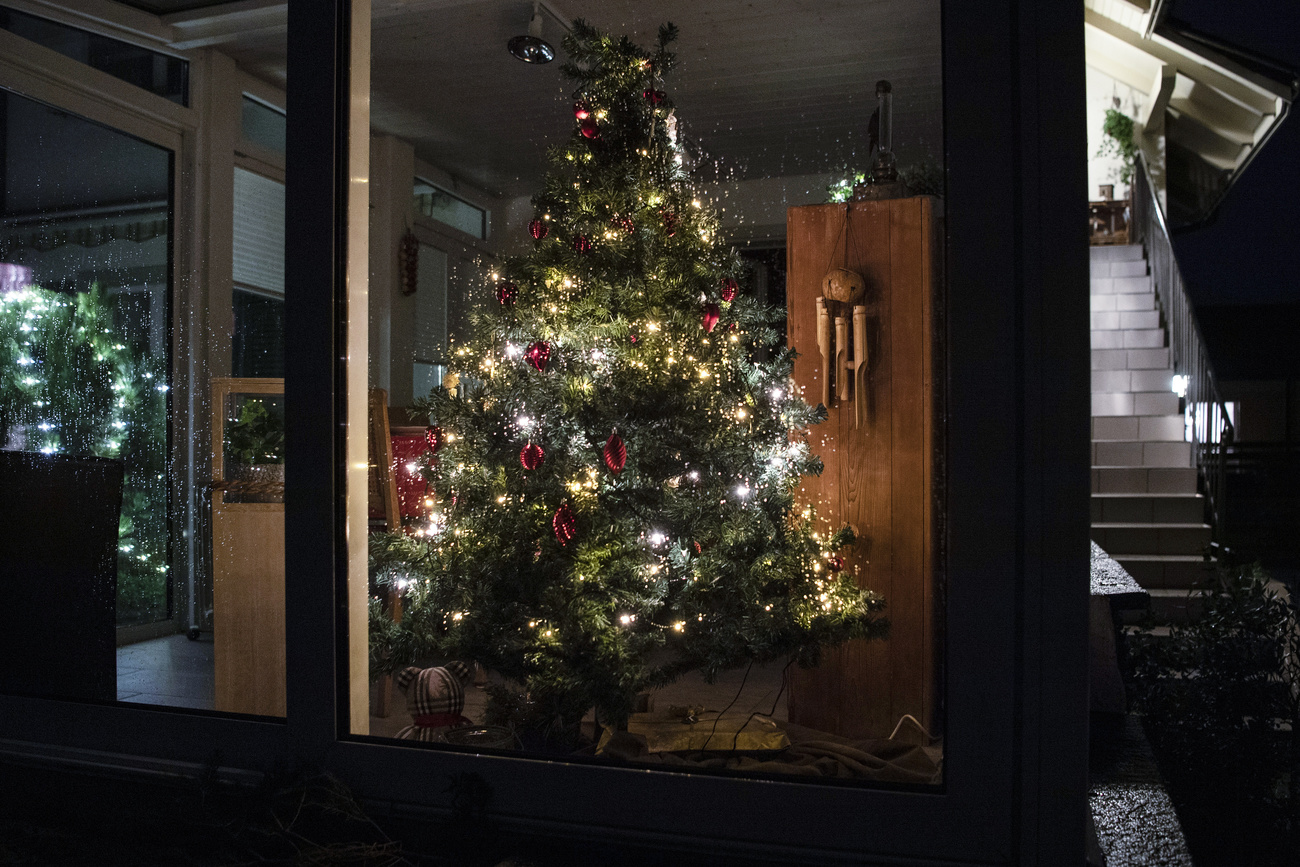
{"x":83,"y":370}
{"x":604,"y":600}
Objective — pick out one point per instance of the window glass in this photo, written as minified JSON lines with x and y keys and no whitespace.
{"x":263,"y":125}
{"x":437,"y":204}
{"x":85,"y":229}
{"x":157,"y":73}
{"x":629,"y":524}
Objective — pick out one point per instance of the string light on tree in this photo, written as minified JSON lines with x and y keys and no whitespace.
{"x":659,"y":491}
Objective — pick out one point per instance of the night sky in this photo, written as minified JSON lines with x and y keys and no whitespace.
{"x":1250,"y":253}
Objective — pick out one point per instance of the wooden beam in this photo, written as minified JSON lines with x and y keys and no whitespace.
{"x":1151,"y":115}
{"x":1247,"y":87}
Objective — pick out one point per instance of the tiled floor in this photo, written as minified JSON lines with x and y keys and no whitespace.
{"x":177,"y":672}
{"x":171,"y":671}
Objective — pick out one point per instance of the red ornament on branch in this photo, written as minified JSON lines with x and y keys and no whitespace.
{"x":615,"y":453}
{"x":729,"y":289}
{"x":538,"y":354}
{"x":589,"y":128}
{"x":582,"y":244}
{"x":531,"y":456}
{"x":835,"y":564}
{"x":654,"y":96}
{"x":565,"y":524}
{"x":507,"y":293}
{"x":711,"y":314}
{"x":582,"y":109}
{"x":670,"y":222}
{"x":433,"y":438}
{"x":624,"y":223}
{"x":538,"y":229}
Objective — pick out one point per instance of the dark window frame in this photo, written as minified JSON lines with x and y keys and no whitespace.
{"x":1015,"y":464}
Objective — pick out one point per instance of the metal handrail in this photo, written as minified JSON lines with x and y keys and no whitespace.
{"x":1209,"y":427}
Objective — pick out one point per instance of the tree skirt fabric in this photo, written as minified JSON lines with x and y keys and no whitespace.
{"x":811,"y":753}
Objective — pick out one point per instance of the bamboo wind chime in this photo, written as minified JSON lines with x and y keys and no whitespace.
{"x":844,"y":361}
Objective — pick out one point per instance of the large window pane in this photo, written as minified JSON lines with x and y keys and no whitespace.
{"x":611,"y":539}
{"x":84,"y":367}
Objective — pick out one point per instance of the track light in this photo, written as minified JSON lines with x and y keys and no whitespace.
{"x":532,"y":48}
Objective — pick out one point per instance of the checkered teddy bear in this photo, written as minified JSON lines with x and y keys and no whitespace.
{"x":435,"y":698}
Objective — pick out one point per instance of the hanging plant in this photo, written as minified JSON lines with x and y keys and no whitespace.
{"x":1119,"y":143}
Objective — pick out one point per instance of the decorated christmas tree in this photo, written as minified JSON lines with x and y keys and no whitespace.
{"x":616,"y":452}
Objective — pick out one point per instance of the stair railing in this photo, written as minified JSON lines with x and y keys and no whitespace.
{"x":1208,"y":425}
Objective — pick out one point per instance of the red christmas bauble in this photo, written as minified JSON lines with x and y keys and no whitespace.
{"x":433,"y":438}
{"x":589,"y":128}
{"x":729,"y":289}
{"x":632,"y":337}
{"x":835,"y":564}
{"x":615,"y":453}
{"x":538,"y":354}
{"x":507,"y":292}
{"x":711,"y":314}
{"x":581,"y":244}
{"x":531,"y":456}
{"x":538,"y":229}
{"x":624,"y":223}
{"x":565,"y":524}
{"x":670,"y":223}
{"x":654,"y":96}
{"x":582,"y":109}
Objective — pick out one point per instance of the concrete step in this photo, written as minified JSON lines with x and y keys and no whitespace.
{"x":1148,"y":428}
{"x":1118,"y":268}
{"x":1114,"y":320}
{"x":1140,"y":453}
{"x":1130,"y":359}
{"x":1119,"y":539}
{"x":1120,"y":285}
{"x":1143,"y":480}
{"x":1149,"y":508}
{"x":1175,"y":604}
{"x":1116,"y":252}
{"x":1108,"y":403}
{"x":1132,"y":380}
{"x":1130,"y":301}
{"x":1128,"y":338}
{"x":1166,"y":571}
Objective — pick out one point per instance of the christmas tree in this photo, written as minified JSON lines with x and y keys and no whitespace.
{"x":615,"y":457}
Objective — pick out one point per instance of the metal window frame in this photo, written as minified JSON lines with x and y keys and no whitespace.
{"x":1015,"y":463}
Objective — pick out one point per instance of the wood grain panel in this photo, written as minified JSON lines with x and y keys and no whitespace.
{"x":878,"y":477}
{"x":248,"y":607}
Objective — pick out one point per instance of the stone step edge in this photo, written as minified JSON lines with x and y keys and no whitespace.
{"x":1147,"y":526}
{"x":1140,"y":494}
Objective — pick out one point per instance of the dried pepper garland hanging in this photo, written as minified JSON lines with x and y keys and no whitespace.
{"x":408,"y":262}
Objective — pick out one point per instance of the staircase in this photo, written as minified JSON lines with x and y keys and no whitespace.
{"x":1146,"y":511}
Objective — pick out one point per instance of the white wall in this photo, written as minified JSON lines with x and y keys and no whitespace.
{"x":1102,"y":92}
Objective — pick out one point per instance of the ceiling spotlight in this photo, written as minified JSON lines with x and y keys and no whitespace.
{"x":532,"y":48}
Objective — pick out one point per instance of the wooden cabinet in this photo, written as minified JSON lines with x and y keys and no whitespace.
{"x":247,"y":563}
{"x":880,"y":477}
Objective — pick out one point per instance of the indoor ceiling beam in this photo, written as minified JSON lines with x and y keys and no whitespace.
{"x":1251,"y":89}
{"x":105,"y":17}
{"x":1151,"y":115}
{"x":214,"y":25}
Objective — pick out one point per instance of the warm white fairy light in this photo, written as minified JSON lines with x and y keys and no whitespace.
{"x":657,"y":537}
{"x":742,"y":490}
{"x":512,"y":350}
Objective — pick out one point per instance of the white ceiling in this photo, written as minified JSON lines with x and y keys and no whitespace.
{"x":768,"y":87}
